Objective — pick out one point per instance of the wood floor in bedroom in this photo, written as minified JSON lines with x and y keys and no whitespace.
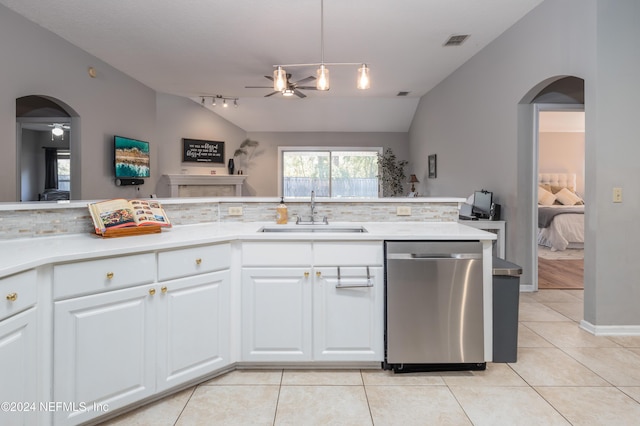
{"x":560,"y":273}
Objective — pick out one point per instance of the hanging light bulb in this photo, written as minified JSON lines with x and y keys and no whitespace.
{"x":202,"y":102}
{"x":235,"y":103}
{"x":322,"y":75}
{"x":213,"y":101}
{"x":363,"y":77}
{"x":224,"y":104}
{"x":279,"y":79}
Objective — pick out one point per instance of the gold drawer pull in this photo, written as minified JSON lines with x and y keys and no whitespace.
{"x":318,"y":274}
{"x":198,"y":261}
{"x":109,"y":275}
{"x":152,"y":291}
{"x":12,"y":297}
{"x":163,"y":289}
{"x":306,"y":275}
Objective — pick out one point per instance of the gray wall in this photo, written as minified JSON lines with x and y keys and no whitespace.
{"x":42,"y":63}
{"x":262,"y":171}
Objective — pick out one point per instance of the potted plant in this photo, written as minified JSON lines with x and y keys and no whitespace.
{"x":391,"y":173}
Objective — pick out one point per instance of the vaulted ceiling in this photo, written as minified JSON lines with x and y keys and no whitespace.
{"x":217,"y":47}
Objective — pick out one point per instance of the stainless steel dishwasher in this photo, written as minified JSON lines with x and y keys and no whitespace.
{"x":433,"y":306}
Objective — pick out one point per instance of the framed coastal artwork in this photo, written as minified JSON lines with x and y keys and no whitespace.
{"x":433,"y":165}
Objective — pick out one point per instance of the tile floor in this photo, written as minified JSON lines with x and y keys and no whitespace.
{"x":563,"y":376}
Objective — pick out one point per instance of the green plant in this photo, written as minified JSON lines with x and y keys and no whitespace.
{"x":391,"y":173}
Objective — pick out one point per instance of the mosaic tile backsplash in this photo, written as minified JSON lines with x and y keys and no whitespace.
{"x":76,"y":220}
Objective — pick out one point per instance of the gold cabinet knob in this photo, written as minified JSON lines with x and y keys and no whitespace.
{"x":163,"y":289}
{"x":109,"y":275}
{"x":306,"y":274}
{"x":318,"y":274}
{"x":152,"y":291}
{"x":12,"y":297}
{"x":198,"y":261}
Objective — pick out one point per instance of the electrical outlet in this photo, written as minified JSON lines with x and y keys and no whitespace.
{"x":403,"y":211}
{"x":617,"y":195}
{"x":235,"y":211}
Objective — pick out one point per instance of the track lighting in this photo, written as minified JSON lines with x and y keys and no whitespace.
{"x":216,"y":98}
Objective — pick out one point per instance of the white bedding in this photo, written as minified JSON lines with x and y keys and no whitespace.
{"x":565,"y":231}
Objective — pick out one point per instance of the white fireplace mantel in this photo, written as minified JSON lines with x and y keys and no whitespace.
{"x":178,"y":183}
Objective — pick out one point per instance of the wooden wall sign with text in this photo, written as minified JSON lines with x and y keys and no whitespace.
{"x":201,"y":151}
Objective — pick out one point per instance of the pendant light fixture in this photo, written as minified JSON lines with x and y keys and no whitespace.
{"x":323,"y":81}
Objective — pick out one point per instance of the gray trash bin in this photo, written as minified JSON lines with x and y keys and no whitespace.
{"x":506,"y":297}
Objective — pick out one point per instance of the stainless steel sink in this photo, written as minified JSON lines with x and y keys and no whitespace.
{"x":313,"y":228}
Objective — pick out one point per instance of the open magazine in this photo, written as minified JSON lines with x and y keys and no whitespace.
{"x":120,"y":213}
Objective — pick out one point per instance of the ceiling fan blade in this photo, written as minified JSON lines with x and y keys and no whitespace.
{"x":305,"y":80}
{"x":299,"y":93}
{"x":268,"y":77}
{"x":271,"y":94}
{"x":306,"y":87}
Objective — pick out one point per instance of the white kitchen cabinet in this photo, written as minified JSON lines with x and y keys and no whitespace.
{"x":348,"y":318}
{"x":18,"y":349}
{"x":276,"y":314}
{"x":104,"y":351}
{"x":193,"y":327}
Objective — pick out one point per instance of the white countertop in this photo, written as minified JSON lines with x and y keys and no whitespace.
{"x":22,"y":254}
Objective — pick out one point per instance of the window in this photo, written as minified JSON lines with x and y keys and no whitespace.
{"x":64,"y":169}
{"x":330,"y":172}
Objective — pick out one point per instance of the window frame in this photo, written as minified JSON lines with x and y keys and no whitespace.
{"x":330,"y":149}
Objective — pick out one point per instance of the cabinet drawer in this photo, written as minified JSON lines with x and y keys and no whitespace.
{"x":17,"y":293}
{"x":274,"y":254}
{"x":192,"y":261}
{"x":347,"y":253}
{"x":95,"y":276}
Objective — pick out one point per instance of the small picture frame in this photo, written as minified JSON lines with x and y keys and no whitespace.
{"x":433,"y":164}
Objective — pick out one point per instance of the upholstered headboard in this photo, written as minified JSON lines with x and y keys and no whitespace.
{"x":566,"y":180}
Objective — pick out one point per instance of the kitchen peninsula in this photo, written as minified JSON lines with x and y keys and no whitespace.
{"x":114,"y":323}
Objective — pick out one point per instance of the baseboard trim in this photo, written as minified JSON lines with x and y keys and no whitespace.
{"x":610,"y":330}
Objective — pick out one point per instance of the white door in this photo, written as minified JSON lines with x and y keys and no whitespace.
{"x":193,"y":327}
{"x":348,"y":314}
{"x":18,"y":384}
{"x":276,"y":314}
{"x":104,"y":351}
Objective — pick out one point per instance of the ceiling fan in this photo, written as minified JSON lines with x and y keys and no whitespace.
{"x":292,"y":88}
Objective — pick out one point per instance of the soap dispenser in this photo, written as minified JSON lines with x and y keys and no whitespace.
{"x":281,"y":213}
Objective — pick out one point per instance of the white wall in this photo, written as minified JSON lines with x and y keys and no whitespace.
{"x":262,"y":172}
{"x":562,"y":152}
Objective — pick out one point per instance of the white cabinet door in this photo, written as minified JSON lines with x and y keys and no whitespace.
{"x":18,"y":349}
{"x":348,"y":314}
{"x":104,"y":351}
{"x":276,"y":314}
{"x":193,"y":327}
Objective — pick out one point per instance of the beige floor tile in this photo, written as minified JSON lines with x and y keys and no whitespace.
{"x":247,"y":377}
{"x":572,"y":310}
{"x":382,"y":377}
{"x":231,"y":405}
{"x":162,"y":412}
{"x":527,"y":297}
{"x":322,"y":405}
{"x":619,"y":366}
{"x":539,"y":312}
{"x":552,"y":367}
{"x":593,"y":406}
{"x":414,"y":405}
{"x":627,"y":341}
{"x":322,"y":377}
{"x":632,"y":391}
{"x":493,"y":406}
{"x":527,"y":338}
{"x":569,"y":335}
{"x":496,"y":374}
{"x":578,"y":294}
{"x":544,"y":296}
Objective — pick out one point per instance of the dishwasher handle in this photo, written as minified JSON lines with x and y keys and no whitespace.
{"x":434,"y":256}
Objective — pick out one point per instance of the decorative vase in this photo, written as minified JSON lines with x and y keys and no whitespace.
{"x":231,"y":166}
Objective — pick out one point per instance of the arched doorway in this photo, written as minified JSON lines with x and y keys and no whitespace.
{"x":46,"y":149}
{"x":560,"y":92}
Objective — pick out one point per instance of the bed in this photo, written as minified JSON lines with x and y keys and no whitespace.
{"x":560,"y":212}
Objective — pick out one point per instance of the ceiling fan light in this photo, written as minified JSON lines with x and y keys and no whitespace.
{"x":287,"y":92}
{"x":364,"y":82}
{"x":279,"y":79}
{"x":322,"y":78}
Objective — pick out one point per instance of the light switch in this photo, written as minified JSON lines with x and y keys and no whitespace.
{"x":617,"y":195}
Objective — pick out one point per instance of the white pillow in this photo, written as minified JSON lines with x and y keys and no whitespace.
{"x":567,"y":197}
{"x":545,"y":197}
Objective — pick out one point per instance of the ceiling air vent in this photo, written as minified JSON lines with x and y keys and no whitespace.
{"x":456,"y":40}
{"x":402,"y":93}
